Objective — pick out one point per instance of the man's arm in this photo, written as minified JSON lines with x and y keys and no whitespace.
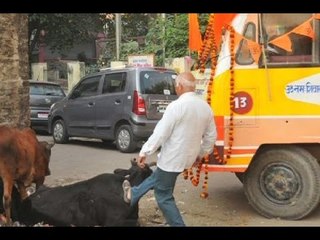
{"x":208,"y":139}
{"x":161,"y":132}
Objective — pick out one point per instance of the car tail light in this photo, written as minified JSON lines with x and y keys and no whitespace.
{"x":139,"y":106}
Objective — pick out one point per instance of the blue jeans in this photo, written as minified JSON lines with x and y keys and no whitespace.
{"x":138,"y":191}
{"x":163,"y":183}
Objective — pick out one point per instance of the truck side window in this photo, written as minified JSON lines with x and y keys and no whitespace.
{"x":282,"y":26}
{"x":243,"y":55}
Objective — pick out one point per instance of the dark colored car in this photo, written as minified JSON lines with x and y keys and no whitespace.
{"x":122,"y":105}
{"x":42,"y":96}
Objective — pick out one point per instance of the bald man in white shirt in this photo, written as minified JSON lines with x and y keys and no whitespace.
{"x":186,"y":132}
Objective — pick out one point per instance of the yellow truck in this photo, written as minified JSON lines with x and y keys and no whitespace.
{"x":265,"y":94}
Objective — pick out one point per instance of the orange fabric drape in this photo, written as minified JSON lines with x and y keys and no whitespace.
{"x":195,"y":40}
{"x":221,"y":19}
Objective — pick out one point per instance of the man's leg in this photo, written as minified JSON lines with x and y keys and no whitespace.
{"x":163,"y":190}
{"x":138,"y":191}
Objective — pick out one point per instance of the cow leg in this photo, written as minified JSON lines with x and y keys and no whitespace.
{"x":7,"y":191}
{"x":39,"y":182}
{"x":22,"y":185}
{"x":23,"y":191}
{"x":28,"y":181}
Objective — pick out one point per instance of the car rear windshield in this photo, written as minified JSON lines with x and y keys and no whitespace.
{"x":157,"y":82}
{"x":48,"y":90}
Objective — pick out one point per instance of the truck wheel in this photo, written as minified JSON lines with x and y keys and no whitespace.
{"x":283,"y":182}
{"x":124,"y":139}
{"x":240,"y":176}
{"x":59,"y":132}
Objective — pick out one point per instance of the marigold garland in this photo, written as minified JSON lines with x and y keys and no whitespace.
{"x":209,"y":43}
{"x":231,"y":99}
{"x":188,"y":173}
{"x":232,"y":94}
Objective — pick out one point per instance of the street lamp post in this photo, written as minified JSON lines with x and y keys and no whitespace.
{"x":118,"y":35}
{"x":163,"y":42}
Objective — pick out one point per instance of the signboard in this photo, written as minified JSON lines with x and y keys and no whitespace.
{"x":141,"y":60}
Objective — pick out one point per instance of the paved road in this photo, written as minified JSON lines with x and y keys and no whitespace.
{"x":225,"y":206}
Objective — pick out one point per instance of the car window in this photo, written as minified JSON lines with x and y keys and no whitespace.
{"x":114,"y":82}
{"x":157,"y":82}
{"x":88,"y":87}
{"x":49,"y":90}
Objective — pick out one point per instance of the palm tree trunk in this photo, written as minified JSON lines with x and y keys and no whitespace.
{"x":14,"y":70}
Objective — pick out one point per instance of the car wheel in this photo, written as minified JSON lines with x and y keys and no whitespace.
{"x":59,"y":132}
{"x":124,"y":139}
{"x":283,"y":182}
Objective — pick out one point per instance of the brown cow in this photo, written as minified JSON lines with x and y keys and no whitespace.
{"x":23,"y":161}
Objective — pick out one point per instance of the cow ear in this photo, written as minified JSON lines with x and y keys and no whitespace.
{"x":49,"y":146}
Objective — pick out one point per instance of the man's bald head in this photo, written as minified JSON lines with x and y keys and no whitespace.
{"x":186,"y":80}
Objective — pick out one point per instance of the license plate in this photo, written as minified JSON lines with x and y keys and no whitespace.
{"x":43,"y":115}
{"x":161,"y":108}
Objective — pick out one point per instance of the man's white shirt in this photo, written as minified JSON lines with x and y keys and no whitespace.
{"x":185,"y":131}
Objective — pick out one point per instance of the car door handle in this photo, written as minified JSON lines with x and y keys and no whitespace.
{"x":91,"y":104}
{"x":117,"y":101}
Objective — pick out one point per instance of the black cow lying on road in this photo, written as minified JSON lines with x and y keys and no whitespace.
{"x":94,"y":202}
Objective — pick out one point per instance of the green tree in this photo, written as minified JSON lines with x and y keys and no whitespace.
{"x":134,"y":27}
{"x":170,"y":35}
{"x":61,"y":31}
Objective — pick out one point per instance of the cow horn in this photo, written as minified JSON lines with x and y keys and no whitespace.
{"x":152,"y":164}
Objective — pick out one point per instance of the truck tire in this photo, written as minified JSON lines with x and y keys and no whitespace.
{"x":59,"y":132}
{"x":283,"y":182}
{"x":124,"y":139}
{"x":240,"y":176}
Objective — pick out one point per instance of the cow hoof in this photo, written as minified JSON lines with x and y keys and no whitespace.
{"x":126,"y":191}
{"x":4,"y":221}
{"x":31,"y":190}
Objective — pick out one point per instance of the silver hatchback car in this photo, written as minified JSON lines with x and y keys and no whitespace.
{"x":122,"y":105}
{"x":41,"y":96}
